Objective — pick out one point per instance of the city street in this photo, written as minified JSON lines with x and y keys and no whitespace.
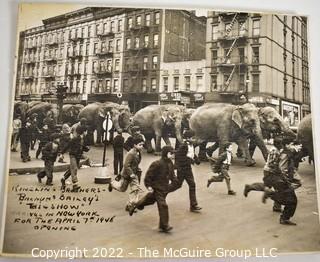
{"x":231,"y":222}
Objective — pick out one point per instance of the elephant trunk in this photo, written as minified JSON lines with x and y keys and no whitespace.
{"x":115,"y":121}
{"x":258,"y":139}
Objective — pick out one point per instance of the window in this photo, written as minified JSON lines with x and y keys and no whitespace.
{"x":78,"y":87}
{"x":176,"y":83}
{"x":128,"y":43}
{"x":255,"y":55}
{"x":187,"y":83}
{"x":214,"y":56}
{"x":144,"y":85}
{"x":109,"y":67}
{"x":153,"y":83}
{"x":102,"y":66}
{"x":146,"y":41}
{"x":241,"y":82}
{"x":93,"y":87}
{"x":95,"y":48}
{"x":242,"y":28}
{"x":129,"y":26}
{"x":241,"y":55}
{"x":108,"y":85}
{"x":255,"y":83}
{"x":105,"y":28}
{"x":154,"y":62}
{"x":87,"y":49}
{"x":110,"y":46}
{"x":116,"y":85}
{"x":145,"y":63}
{"x":256,"y":27}
{"x":103,"y":47}
{"x":199,"y":83}
{"x":165,"y":84}
{"x":117,"y":65}
{"x":94,"y":66}
{"x":214,"y":82}
{"x":147,"y":21}
{"x":155,"y":40}
{"x":118,"y":44}
{"x":89,"y":31}
{"x":112,"y":26}
{"x":84,"y":87}
{"x":120,"y":25}
{"x":157,"y":18}
{"x":138,"y":20}
{"x":81,"y":50}
{"x":86,"y":67}
{"x":215,"y":32}
{"x":136,"y":42}
{"x":100,"y":86}
{"x":126,"y":85}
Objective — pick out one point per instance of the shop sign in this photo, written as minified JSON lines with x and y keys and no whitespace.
{"x":176,"y":96}
{"x":198,"y":97}
{"x":73,"y":97}
{"x":305,"y":107}
{"x":185,"y":100}
{"x":273,"y":101}
{"x":257,"y":99}
{"x":163,"y":97}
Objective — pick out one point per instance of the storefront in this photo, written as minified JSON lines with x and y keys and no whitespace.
{"x":179,"y":98}
{"x":197,"y":99}
{"x":305,"y":110}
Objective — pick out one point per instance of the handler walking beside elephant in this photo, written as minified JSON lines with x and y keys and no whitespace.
{"x":185,"y":157}
{"x":118,"y":142}
{"x":130,"y":174}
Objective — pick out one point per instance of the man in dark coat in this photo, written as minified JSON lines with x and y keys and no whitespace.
{"x":136,"y":133}
{"x":118,"y":143}
{"x":157,"y":181}
{"x":49,"y":156}
{"x":44,"y":138}
{"x":25,"y":140}
{"x":185,"y":157}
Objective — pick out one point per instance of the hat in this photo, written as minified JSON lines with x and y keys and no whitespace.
{"x":119,"y":131}
{"x":166,"y":149}
{"x":135,"y":129}
{"x":137,"y":140}
{"x":188,"y":134}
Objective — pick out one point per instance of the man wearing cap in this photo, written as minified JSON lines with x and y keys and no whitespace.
{"x":185,"y":157}
{"x":82,"y":122}
{"x":76,"y":147}
{"x":49,"y":156}
{"x":130,"y":173}
{"x":158,"y":178}
{"x":136,"y":133}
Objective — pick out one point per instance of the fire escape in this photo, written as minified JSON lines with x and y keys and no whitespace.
{"x":229,"y":64}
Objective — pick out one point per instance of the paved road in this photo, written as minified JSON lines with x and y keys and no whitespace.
{"x":232,"y":222}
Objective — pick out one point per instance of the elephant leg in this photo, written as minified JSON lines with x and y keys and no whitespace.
{"x":243,"y":144}
{"x":90,"y":137}
{"x":252,"y":147}
{"x":166,"y":140}
{"x":177,"y":144}
{"x":202,"y":152}
{"x":261,"y":145}
{"x":99,"y":135}
{"x":158,"y":145}
{"x":148,"y":144}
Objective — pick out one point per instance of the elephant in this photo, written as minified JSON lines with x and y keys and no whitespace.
{"x":304,"y":136}
{"x":160,"y":121}
{"x":21,"y":108}
{"x":95,"y":113}
{"x":70,"y":113}
{"x":222,"y":123}
{"x":42,"y":110}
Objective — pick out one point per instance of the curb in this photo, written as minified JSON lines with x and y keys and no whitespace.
{"x":34,"y":170}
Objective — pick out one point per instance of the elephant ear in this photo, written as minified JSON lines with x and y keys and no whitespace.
{"x":237,"y":117}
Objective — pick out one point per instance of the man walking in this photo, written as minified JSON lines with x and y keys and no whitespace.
{"x":16,"y":126}
{"x":118,"y":143}
{"x":159,"y":177}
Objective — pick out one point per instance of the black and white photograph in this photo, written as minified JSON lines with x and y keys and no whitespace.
{"x":160,"y":133}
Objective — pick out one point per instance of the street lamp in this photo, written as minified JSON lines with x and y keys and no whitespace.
{"x":61,"y":94}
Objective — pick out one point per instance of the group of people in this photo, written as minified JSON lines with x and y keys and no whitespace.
{"x":280,"y":177}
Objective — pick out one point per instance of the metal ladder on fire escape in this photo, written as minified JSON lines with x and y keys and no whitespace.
{"x":234,"y":20}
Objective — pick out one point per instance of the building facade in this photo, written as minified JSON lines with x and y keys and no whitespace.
{"x":259,"y":57}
